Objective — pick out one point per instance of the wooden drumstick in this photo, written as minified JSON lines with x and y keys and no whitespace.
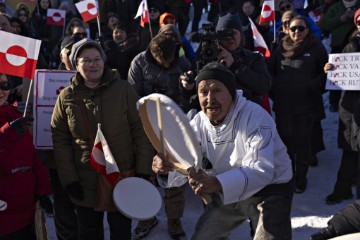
{"x":206,"y":197}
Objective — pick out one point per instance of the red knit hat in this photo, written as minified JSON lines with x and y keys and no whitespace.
{"x":165,"y":15}
{"x":356,"y":15}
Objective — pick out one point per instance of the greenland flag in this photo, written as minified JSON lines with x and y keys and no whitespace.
{"x":267,"y":12}
{"x":259,"y":43}
{"x":102,"y":160}
{"x":143,"y":12}
{"x":18,"y":55}
{"x":87,"y":9}
{"x":55,"y":17}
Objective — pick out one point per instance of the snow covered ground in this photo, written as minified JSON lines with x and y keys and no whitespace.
{"x":309,"y":211}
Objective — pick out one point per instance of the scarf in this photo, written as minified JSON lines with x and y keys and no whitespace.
{"x":291,"y":49}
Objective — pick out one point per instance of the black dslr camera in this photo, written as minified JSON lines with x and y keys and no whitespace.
{"x":209,"y":44}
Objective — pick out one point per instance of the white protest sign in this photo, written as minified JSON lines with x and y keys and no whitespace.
{"x":47,"y":86}
{"x":346,"y":72}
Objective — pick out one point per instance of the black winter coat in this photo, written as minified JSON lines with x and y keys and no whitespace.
{"x":298,"y":82}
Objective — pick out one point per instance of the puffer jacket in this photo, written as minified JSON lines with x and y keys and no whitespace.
{"x":113,"y":105}
{"x":147,"y":77}
{"x":23,"y":177}
{"x":298,"y":83}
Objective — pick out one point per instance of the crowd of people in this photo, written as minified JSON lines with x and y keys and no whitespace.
{"x":257,"y":160}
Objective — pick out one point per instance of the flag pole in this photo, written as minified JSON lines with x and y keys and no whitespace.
{"x":151,"y":35}
{"x":274,"y":30}
{"x":98,"y":23}
{"x":28,"y":96}
{"x":98,"y":18}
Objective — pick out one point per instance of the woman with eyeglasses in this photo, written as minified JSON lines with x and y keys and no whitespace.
{"x":298,"y":82}
{"x":23,"y":179}
{"x":97,"y":95}
{"x":349,"y":112}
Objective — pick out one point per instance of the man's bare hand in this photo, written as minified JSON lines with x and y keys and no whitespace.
{"x":201,"y":183}
{"x":161,"y":164}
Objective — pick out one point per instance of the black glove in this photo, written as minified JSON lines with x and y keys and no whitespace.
{"x":46,"y":204}
{"x":19,"y":123}
{"x":75,"y":190}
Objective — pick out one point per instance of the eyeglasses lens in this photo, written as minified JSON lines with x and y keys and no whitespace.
{"x":300,"y":28}
{"x":5,"y":86}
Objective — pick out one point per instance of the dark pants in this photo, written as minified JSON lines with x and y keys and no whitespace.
{"x":317,"y":141}
{"x":174,"y":202}
{"x":270,"y":216}
{"x":347,"y":172}
{"x":295,"y":131}
{"x":347,"y":220}
{"x":65,"y":217}
{"x":199,"y":5}
{"x":90,"y":225}
{"x":182,"y":17}
{"x":26,"y":233}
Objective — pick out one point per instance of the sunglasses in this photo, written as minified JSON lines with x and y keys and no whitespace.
{"x":5,"y":86}
{"x":22,"y":15}
{"x":357,"y":22}
{"x":288,"y":6}
{"x":300,"y":28}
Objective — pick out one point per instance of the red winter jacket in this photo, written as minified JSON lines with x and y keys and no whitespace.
{"x":22,"y":175}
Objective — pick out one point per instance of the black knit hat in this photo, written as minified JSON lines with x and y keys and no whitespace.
{"x":229,"y":21}
{"x":219,"y":72}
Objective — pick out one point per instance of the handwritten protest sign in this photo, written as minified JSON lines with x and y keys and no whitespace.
{"x":346,"y":72}
{"x":47,"y":86}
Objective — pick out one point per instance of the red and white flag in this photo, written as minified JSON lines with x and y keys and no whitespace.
{"x":143,"y":12}
{"x":259,"y":43}
{"x":18,"y":55}
{"x":102,"y":160}
{"x":55,"y":17}
{"x":267,"y":12}
{"x":87,"y":9}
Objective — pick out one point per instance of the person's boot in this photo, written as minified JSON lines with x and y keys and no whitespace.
{"x":301,"y":181}
{"x":342,"y":191}
{"x":324,"y":234}
{"x":143,"y":228}
{"x":175,"y":229}
{"x":335,"y":198}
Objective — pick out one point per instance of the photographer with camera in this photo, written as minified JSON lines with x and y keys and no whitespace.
{"x":226,"y":46}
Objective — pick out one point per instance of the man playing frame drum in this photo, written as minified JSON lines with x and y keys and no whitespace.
{"x":251,"y":170}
